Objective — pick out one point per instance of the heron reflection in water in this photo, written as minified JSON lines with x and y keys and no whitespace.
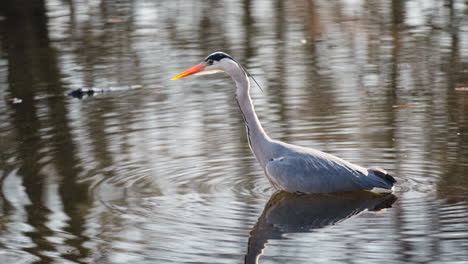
{"x":294,"y":213}
{"x":288,"y":167}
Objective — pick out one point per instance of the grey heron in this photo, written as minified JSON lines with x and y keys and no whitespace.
{"x":288,"y":167}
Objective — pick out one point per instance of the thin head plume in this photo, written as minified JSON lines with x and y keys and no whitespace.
{"x":248,"y":73}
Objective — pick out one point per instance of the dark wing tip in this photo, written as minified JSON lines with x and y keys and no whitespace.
{"x":383,"y":174}
{"x":390,"y":178}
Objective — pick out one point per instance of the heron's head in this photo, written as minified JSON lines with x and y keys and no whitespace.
{"x":215,"y":62}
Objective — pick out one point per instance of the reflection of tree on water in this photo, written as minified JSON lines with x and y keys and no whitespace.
{"x":32,"y":61}
{"x":292,"y":213}
{"x":34,"y":70}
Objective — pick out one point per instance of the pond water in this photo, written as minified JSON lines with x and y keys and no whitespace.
{"x":162,"y":172}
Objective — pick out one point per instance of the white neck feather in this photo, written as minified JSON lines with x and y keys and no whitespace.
{"x":259,"y":141}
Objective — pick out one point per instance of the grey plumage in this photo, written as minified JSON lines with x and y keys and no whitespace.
{"x":288,"y":167}
{"x":305,"y":170}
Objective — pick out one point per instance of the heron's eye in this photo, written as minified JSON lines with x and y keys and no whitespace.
{"x":210,"y":62}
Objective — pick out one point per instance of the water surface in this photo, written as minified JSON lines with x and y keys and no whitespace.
{"x":163,"y":173}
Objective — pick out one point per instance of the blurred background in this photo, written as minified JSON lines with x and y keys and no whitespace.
{"x":163,"y":173}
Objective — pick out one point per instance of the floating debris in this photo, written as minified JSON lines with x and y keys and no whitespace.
{"x":16,"y":100}
{"x":88,"y":92}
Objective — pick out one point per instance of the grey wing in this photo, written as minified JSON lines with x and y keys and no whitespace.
{"x":316,"y":173}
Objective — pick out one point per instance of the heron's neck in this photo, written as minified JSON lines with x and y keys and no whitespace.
{"x":258,"y":139}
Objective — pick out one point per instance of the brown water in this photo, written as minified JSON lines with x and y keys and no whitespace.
{"x":163,"y":173}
